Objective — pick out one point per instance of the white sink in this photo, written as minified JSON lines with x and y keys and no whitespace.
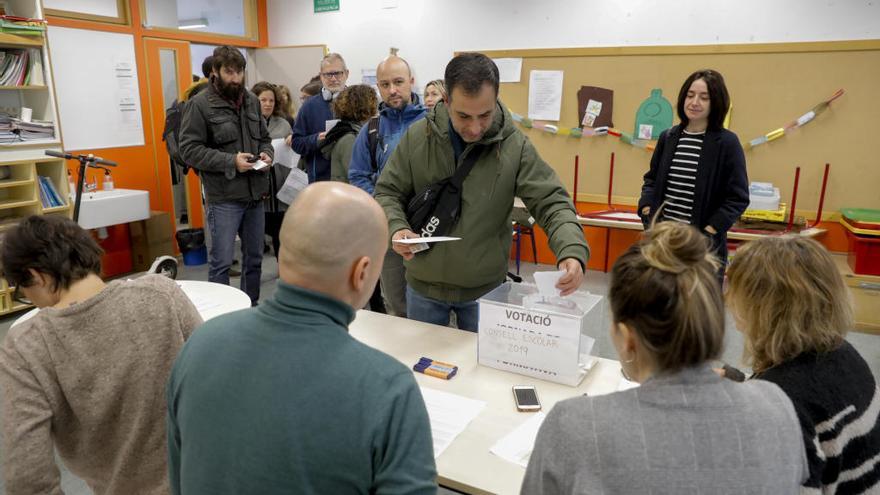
{"x":104,"y":208}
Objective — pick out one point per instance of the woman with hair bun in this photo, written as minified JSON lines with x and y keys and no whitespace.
{"x":685,"y":429}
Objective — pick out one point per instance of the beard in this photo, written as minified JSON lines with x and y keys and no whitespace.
{"x":230,"y":91}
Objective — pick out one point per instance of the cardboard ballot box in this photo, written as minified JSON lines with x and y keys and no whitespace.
{"x":549,"y":340}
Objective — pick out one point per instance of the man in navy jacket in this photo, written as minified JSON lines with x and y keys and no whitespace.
{"x":310,"y":126}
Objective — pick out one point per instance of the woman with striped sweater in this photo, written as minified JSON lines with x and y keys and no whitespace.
{"x":793,"y":308}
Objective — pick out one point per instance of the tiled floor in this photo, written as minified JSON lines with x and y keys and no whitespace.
{"x":596,"y":282}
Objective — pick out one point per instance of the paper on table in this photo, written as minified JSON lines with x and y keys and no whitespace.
{"x":284,"y":154}
{"x":626,"y":384}
{"x":419,"y":240}
{"x":516,"y":446}
{"x":202,"y":303}
{"x":449,"y":415}
{"x":545,"y":94}
{"x":509,"y":69}
{"x":546,"y":282}
{"x":296,"y":181}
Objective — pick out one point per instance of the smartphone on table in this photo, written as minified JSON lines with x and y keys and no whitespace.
{"x":526,"y":398}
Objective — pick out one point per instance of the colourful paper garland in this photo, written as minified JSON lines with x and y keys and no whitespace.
{"x":645,"y":144}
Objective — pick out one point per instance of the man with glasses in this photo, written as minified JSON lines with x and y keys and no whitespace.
{"x":315,"y":118}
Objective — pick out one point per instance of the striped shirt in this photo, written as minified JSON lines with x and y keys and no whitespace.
{"x":679,"y":195}
{"x":839,"y":408}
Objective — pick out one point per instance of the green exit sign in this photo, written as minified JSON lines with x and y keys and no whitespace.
{"x":326,"y":5}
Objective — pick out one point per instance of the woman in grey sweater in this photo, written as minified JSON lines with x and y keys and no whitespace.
{"x":278,"y":127}
{"x":86,"y":375}
{"x":685,"y":429}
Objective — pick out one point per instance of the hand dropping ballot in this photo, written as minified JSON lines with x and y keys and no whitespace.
{"x":531,"y":330}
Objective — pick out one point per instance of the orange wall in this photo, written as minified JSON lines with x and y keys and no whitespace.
{"x":138,"y":164}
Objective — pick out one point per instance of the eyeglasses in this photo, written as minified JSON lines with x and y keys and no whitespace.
{"x":18,"y":297}
{"x":337,"y":74}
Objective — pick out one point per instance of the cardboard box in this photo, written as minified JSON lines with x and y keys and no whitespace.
{"x":150,"y":239}
{"x":143,"y":255}
{"x":155,"y":229}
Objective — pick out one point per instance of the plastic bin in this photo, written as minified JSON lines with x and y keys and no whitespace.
{"x":864,"y":254}
{"x":192,"y":245}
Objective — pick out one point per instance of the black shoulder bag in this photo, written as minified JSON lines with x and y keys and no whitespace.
{"x":436,"y":209}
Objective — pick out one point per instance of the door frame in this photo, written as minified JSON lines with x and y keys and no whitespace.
{"x":181,"y":49}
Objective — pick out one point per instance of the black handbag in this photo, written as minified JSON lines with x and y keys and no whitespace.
{"x":437,"y":207}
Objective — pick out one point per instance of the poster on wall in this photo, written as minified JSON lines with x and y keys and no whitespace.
{"x":595,"y":106}
{"x":509,"y":69}
{"x":545,"y":94}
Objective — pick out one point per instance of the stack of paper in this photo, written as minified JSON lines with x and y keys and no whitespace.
{"x":7,"y":129}
{"x":35,"y":129}
{"x":449,"y":414}
{"x":516,"y":446}
{"x":14,"y":130}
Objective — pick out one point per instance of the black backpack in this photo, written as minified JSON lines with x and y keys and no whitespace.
{"x":171,"y":133}
{"x":437,"y":208}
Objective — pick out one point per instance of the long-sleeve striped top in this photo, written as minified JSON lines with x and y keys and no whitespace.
{"x":679,"y":196}
{"x":838,"y":404}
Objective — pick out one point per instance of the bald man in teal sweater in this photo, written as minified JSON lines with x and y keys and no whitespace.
{"x":280,"y":398}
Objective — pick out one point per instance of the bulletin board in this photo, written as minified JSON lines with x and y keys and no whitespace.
{"x":96,"y":84}
{"x":770,"y":85}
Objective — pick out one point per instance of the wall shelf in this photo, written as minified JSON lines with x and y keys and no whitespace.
{"x":25,"y":87}
{"x":17,"y":40}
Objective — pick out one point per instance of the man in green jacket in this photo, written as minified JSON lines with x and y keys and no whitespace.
{"x":280,"y":398}
{"x":451,"y":276}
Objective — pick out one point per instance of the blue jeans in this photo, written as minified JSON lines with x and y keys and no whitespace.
{"x":428,"y":310}
{"x":225,"y":220}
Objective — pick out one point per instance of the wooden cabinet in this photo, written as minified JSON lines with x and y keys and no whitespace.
{"x":23,"y":162}
{"x":865,"y":292}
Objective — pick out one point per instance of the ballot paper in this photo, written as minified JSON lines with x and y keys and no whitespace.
{"x":284,"y":154}
{"x":516,"y":446}
{"x":449,"y":415}
{"x":419,"y":240}
{"x":546,"y":282}
{"x":296,"y":181}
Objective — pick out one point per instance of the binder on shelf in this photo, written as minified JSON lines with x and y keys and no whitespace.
{"x":44,"y":196}
{"x":53,"y":199}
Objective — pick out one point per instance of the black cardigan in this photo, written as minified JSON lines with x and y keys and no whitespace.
{"x":721,"y":192}
{"x":838,"y":404}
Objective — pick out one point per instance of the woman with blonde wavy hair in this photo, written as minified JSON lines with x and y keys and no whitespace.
{"x":685,"y":429}
{"x":793,"y":308}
